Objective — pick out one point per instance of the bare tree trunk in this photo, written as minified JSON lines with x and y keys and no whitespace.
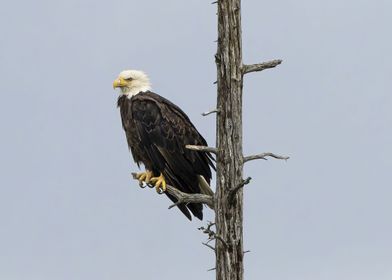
{"x":228,"y":219}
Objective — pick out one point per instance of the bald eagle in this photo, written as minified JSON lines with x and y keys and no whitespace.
{"x":157,"y":131}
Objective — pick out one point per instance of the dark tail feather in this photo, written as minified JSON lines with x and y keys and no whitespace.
{"x":188,"y":186}
{"x":182,"y":207}
{"x":196,"y":209}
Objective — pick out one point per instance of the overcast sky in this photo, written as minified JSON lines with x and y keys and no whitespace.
{"x":68,"y":208}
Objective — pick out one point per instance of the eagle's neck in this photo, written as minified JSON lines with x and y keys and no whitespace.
{"x":129,"y":92}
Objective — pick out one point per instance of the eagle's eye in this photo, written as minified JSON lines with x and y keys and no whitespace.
{"x":129,"y":79}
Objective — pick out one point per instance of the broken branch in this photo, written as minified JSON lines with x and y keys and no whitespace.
{"x":260,"y":66}
{"x":211,"y":234}
{"x":233,"y":191}
{"x":264,"y":156}
{"x":208,"y":230}
{"x":209,"y":246}
{"x":202,"y":149}
{"x":210,"y":112}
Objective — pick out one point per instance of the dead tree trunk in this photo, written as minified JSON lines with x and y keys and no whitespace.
{"x":230,"y":160}
{"x":228,"y":212}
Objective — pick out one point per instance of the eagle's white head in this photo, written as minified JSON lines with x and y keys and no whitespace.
{"x":131,"y":82}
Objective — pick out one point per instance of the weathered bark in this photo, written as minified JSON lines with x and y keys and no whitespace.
{"x":228,"y":218}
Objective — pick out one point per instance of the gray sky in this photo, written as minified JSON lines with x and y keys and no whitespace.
{"x":68,"y":208}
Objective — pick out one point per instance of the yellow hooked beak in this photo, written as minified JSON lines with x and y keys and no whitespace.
{"x":119,"y":82}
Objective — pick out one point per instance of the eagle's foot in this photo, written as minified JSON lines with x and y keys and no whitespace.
{"x":159,"y":183}
{"x":144,"y":177}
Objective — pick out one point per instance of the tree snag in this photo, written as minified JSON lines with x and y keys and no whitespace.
{"x":230,"y":159}
{"x":228,"y":217}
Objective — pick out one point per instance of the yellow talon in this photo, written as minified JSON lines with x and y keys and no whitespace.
{"x":144,"y":176}
{"x":159,"y":183}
